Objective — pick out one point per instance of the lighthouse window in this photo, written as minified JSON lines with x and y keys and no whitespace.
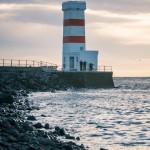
{"x":71,"y":62}
{"x":81,"y":48}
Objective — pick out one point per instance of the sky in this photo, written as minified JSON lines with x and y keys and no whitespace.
{"x":118,"y":29}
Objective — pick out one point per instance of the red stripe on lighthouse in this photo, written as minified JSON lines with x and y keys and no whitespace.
{"x":74,"y":22}
{"x":74,"y":39}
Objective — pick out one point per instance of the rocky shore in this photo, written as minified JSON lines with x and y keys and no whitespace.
{"x":18,"y":132}
{"x":30,"y":79}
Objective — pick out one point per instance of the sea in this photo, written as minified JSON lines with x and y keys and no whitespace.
{"x":114,"y":119}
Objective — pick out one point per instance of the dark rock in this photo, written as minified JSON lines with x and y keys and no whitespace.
{"x":35,"y":142}
{"x":23,"y":93}
{"x":12,"y":121}
{"x":69,"y":137}
{"x":62,"y":132}
{"x":41,"y":132}
{"x":38,"y":125}
{"x":27,"y":126}
{"x":3,"y":144}
{"x":78,"y":138}
{"x":11,"y":138}
{"x":4,"y":123}
{"x":14,"y":145}
{"x":31,"y":118}
{"x":46,"y":135}
{"x":43,"y":141}
{"x":35,"y":147}
{"x":13,"y":132}
{"x":103,"y":149}
{"x":46,"y":126}
{"x":23,"y":137}
{"x":57,"y":128}
{"x":43,"y":115}
{"x":6,"y":98}
{"x":14,"y":93}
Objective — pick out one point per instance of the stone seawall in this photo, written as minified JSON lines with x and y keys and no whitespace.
{"x":87,"y":79}
{"x":39,"y":79}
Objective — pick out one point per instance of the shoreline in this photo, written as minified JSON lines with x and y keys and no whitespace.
{"x":17,"y":132}
{"x":21,"y":134}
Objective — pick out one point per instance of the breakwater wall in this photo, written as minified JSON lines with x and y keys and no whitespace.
{"x":88,"y":79}
{"x":42,"y":79}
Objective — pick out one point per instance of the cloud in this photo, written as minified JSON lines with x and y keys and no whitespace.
{"x":120,"y":6}
{"x":132,"y":29}
{"x":24,"y":1}
{"x":44,"y":14}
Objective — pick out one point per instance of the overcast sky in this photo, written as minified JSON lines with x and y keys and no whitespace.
{"x":119,"y":29}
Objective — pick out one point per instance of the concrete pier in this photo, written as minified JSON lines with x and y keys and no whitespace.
{"x":87,"y":79}
{"x":42,"y":78}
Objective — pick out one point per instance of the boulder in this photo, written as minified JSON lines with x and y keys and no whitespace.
{"x":70,"y":137}
{"x":6,"y":98}
{"x":27,"y":126}
{"x":31,"y":118}
{"x":103,"y":149}
{"x":62,"y":132}
{"x":38,"y":125}
{"x":46,"y":126}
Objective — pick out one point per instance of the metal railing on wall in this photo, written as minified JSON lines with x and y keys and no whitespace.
{"x":105,"y":68}
{"x":95,"y":69}
{"x":51,"y":66}
{"x":26,"y":63}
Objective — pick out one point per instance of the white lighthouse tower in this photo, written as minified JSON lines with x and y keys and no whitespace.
{"x":74,"y":47}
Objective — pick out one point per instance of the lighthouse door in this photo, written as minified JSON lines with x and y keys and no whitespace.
{"x":71,"y":62}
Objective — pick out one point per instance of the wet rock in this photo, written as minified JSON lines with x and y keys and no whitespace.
{"x":103,"y":149}
{"x":38,"y":125}
{"x":27,"y":126}
{"x":57,"y":128}
{"x":69,"y":137}
{"x":46,"y":126}
{"x":62,"y":132}
{"x":14,"y":93}
{"x":6,"y":98}
{"x":23,"y":93}
{"x":11,"y":138}
{"x":13,"y":132}
{"x":23,"y":137}
{"x":31,"y":118}
{"x":78,"y":138}
{"x":43,"y":115}
{"x":43,"y":141}
{"x":41,"y":132}
{"x":14,"y":146}
{"x":34,"y":147}
{"x":4,"y":123}
{"x":12,"y":121}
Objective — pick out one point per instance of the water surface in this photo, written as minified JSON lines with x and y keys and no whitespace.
{"x":116,"y":119}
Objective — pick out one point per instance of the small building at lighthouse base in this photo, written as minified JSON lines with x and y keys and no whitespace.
{"x":85,"y":60}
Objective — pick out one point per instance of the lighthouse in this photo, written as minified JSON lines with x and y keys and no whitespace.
{"x":75,"y":54}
